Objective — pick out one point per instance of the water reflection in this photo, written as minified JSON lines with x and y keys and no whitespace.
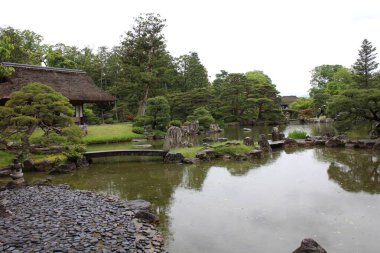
{"x":354,"y":170}
{"x":263,"y":206}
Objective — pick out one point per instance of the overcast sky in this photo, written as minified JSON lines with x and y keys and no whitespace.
{"x":284,"y":38}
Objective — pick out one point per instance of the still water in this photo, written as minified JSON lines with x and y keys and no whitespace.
{"x":270,"y":205}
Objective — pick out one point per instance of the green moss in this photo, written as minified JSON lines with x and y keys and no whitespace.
{"x":188,"y":152}
{"x":60,"y":158}
{"x":233,"y":149}
{"x":220,"y":147}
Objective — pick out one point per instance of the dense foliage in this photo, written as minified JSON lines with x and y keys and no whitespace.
{"x":141,"y":68}
{"x":35,"y":106}
{"x":348,"y":96}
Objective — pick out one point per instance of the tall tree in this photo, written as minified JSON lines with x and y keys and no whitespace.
{"x":193,"y":73}
{"x":26,"y":45}
{"x":5,"y":53}
{"x":62,"y":56}
{"x":182,"y":104}
{"x":326,"y":81}
{"x":365,"y":65}
{"x":265,"y":97}
{"x":144,"y":56}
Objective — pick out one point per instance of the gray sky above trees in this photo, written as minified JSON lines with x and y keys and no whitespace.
{"x":285,"y":39}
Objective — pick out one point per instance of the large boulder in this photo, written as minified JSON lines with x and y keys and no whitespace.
{"x":191,"y":129}
{"x":63,"y":168}
{"x":254,"y":154}
{"x":290,"y":143}
{"x":264,"y":144}
{"x":173,"y":157}
{"x":28,"y":165}
{"x":147,"y":217}
{"x":335,"y":142}
{"x":214,"y":128}
{"x":366,"y":143}
{"x":81,"y":162}
{"x":173,"y":138}
{"x":44,"y":166}
{"x":275,"y":134}
{"x":207,"y":154}
{"x":309,"y":246}
{"x":191,"y":160}
{"x":248,"y":141}
{"x":138,"y":204}
{"x":352,"y":144}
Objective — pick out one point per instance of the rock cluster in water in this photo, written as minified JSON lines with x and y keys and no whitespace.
{"x":59,"y":219}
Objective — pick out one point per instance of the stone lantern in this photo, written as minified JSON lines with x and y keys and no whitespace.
{"x":16,"y":172}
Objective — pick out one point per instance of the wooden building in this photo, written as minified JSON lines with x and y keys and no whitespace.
{"x":287,"y":100}
{"x":74,"y":84}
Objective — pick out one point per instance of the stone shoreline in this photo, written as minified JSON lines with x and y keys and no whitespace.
{"x":60,"y":219}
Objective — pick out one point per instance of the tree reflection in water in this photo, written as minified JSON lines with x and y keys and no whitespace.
{"x":354,"y":170}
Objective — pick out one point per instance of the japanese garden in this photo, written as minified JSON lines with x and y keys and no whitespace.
{"x":133,"y":149}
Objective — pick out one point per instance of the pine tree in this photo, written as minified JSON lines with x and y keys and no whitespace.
{"x":365,"y":65}
{"x":144,"y":57}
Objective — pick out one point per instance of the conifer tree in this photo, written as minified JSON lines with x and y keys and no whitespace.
{"x":365,"y":65}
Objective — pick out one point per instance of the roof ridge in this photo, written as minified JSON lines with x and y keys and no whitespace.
{"x":19,"y":65}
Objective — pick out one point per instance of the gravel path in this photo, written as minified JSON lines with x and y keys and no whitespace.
{"x":59,"y":219}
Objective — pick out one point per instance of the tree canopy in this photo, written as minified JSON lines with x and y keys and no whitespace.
{"x":141,"y":68}
{"x":365,"y":65}
{"x":35,"y":105}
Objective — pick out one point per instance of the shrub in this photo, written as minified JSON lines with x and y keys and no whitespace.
{"x":90,"y":116}
{"x":142,"y":121}
{"x":109,"y":121}
{"x":74,"y":152}
{"x":307,"y":112}
{"x":158,"y":110}
{"x":203,"y":116}
{"x":138,"y":130}
{"x":175,"y":122}
{"x":297,"y":135}
{"x":73,"y":134}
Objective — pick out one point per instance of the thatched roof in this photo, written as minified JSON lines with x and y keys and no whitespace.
{"x":74,"y":84}
{"x":287,"y":100}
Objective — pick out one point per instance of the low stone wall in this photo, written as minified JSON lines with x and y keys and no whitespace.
{"x":60,"y":219}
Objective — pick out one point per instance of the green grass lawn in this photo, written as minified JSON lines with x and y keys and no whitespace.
{"x":110,"y":133}
{"x":103,"y":133}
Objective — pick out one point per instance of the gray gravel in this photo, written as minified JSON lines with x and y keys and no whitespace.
{"x":59,"y":219}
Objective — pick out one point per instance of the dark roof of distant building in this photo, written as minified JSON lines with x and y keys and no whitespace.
{"x":286,"y":100}
{"x":74,"y":84}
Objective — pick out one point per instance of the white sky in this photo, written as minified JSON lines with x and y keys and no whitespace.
{"x":284,"y":38}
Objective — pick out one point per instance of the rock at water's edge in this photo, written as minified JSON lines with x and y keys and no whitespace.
{"x":309,"y":246}
{"x":173,"y":157}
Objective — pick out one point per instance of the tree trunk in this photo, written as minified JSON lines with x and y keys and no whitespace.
{"x":25,"y":148}
{"x":142,"y":105}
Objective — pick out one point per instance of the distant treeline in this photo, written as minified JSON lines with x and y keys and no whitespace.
{"x":141,"y":67}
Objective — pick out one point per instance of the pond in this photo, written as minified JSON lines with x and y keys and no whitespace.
{"x":269,"y":205}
